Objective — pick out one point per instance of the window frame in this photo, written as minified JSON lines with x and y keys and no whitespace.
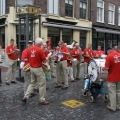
{"x":86,"y":2}
{"x":113,"y":14}
{"x":102,"y":11}
{"x":69,"y":10}
{"x":2,"y":7}
{"x":52,"y":8}
{"x":119,"y":16}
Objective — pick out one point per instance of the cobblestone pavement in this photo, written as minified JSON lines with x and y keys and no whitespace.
{"x":12,"y":108}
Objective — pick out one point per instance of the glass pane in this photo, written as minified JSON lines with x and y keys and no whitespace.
{"x":119,"y":18}
{"x":50,"y":6}
{"x":66,"y":1}
{"x":80,"y":4}
{"x":111,"y":7}
{"x":56,"y":6}
{"x":99,"y":4}
{"x":119,"y":10}
{"x":24,"y":2}
{"x":71,"y":2}
{"x":84,"y":5}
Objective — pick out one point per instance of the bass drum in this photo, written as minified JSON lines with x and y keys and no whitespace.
{"x":95,"y":70}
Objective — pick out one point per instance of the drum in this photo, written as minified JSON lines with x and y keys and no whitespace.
{"x":95,"y":70}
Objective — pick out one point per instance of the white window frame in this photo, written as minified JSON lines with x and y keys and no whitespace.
{"x":98,"y":20}
{"x":52,"y":8}
{"x":119,"y":16}
{"x":2,"y":7}
{"x":113,"y":14}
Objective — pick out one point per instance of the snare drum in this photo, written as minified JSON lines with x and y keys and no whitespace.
{"x":95,"y":69}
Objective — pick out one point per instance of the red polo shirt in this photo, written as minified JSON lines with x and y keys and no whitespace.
{"x":76,"y":52}
{"x":63,"y":49}
{"x":89,"y":52}
{"x":25,"y":56}
{"x":113,"y":63}
{"x":46,"y":52}
{"x":14,"y":55}
{"x":98,"y":52}
{"x":36,"y":56}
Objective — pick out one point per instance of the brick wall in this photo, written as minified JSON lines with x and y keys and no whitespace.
{"x":94,"y":13}
{"x":9,"y":3}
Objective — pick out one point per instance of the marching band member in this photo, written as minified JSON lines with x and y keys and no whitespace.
{"x":27,"y":73}
{"x":50,"y":60}
{"x":88,"y":54}
{"x":98,"y":52}
{"x":12,"y":53}
{"x":76,"y":54}
{"x":69,"y":65}
{"x":61,"y":67}
{"x":36,"y":60}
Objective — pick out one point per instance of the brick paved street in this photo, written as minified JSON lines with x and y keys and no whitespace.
{"x":12,"y":108}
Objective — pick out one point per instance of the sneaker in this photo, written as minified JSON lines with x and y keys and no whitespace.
{"x":7,"y":83}
{"x":13,"y":82}
{"x":44,"y":103}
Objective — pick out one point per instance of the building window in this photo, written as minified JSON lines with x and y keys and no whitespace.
{"x":119,"y":16}
{"x":24,"y":2}
{"x":83,"y":35}
{"x":53,"y":6}
{"x":83,"y":9}
{"x":2,"y":7}
{"x":111,"y":13}
{"x":100,"y":11}
{"x":69,"y":8}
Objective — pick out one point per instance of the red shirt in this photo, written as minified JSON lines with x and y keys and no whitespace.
{"x":46,"y":52}
{"x":76,"y":52}
{"x":36,"y":56}
{"x":98,"y":53}
{"x":88,"y":52}
{"x":25,"y":56}
{"x":14,"y":55}
{"x":113,"y":63}
{"x":63,"y":49}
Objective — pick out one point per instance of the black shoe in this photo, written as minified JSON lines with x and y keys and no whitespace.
{"x":24,"y":99}
{"x":13,"y":82}
{"x":57,"y":86}
{"x":32,"y":95}
{"x":64,"y":88}
{"x":7,"y":83}
{"x":36,"y":90}
{"x":47,"y":88}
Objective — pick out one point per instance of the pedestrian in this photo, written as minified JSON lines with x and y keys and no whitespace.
{"x":76,"y":54}
{"x":12,"y":53}
{"x":61,"y":66}
{"x":36,"y":60}
{"x":26,"y":67}
{"x":88,"y":54}
{"x":112,"y":64}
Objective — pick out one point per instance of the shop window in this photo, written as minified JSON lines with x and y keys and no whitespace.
{"x":67,"y":36}
{"x":108,"y":40}
{"x":111,"y":13}
{"x":2,"y":37}
{"x":2,"y":7}
{"x":69,"y":8}
{"x":100,"y":11}
{"x":54,"y":35}
{"x":53,"y":6}
{"x":114,"y":41}
{"x":83,"y":9}
{"x":101,"y":40}
{"x":83,"y":39}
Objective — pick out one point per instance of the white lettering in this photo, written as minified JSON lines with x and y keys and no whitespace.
{"x":116,"y":58}
{"x":33,"y":53}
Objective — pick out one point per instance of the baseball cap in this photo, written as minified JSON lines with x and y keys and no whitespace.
{"x":30,"y":41}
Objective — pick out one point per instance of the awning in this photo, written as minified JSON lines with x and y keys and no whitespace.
{"x":103,"y":30}
{"x":17,"y":23}
{"x":65,"y":26}
{"x":3,"y":25}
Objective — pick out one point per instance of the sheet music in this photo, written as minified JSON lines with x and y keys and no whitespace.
{"x":60,"y":55}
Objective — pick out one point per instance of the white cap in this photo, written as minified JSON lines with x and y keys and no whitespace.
{"x":38,"y":41}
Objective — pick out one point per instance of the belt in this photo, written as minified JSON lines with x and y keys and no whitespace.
{"x":37,"y":67}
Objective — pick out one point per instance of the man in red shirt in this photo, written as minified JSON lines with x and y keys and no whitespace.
{"x":61,"y":67}
{"x":36,"y":59}
{"x":76,"y":54}
{"x":98,"y":52}
{"x":112,"y":64}
{"x":27,"y":74}
{"x":88,"y":54}
{"x":116,"y":49}
{"x":12,"y":53}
